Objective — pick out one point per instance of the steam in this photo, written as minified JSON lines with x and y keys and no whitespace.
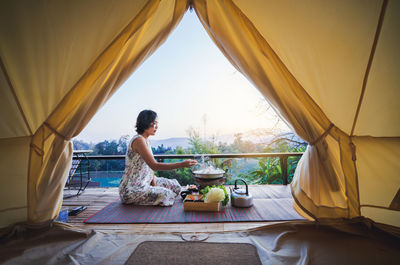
{"x":205,"y":166}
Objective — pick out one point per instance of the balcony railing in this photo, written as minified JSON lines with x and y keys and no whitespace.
{"x":283,"y":158}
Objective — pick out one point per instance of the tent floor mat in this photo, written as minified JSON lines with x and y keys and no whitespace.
{"x":195,"y":253}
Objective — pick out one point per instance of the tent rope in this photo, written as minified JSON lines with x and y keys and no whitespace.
{"x":56,"y":132}
{"x":37,"y":149}
{"x":322,"y":136}
{"x":353,"y":150}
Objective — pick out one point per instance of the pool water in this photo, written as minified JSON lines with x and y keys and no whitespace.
{"x":108,"y":181}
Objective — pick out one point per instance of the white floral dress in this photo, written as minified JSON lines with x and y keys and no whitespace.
{"x":135,"y":185}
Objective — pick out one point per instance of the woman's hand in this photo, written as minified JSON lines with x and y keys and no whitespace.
{"x":153,"y":182}
{"x":189,"y":163}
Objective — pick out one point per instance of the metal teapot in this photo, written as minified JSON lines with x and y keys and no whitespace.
{"x":240,"y":197}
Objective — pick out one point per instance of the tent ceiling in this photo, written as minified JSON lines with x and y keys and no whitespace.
{"x":326,"y":47}
{"x":47,"y":46}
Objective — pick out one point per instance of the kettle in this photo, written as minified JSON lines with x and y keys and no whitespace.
{"x":240,"y":197}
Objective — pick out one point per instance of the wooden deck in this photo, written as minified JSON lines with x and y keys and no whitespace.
{"x":97,"y":198}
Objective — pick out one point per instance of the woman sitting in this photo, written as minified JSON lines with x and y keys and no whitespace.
{"x":139,"y":185}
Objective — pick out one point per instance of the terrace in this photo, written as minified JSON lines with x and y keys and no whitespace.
{"x":96,"y":198}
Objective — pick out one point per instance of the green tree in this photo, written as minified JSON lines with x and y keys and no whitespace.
{"x":269,"y":170}
{"x":80,"y":145}
{"x":123,"y":144}
{"x":241,"y":146}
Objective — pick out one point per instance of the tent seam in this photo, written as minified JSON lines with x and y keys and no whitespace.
{"x":13,"y":208}
{"x":354,"y":159}
{"x":3,"y":68}
{"x":369,"y":64}
{"x":346,"y":182}
{"x":13,"y":138}
{"x":378,"y":206}
{"x":378,"y":137}
{"x":28,"y":202}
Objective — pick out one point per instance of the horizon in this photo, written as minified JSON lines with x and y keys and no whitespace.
{"x":224,"y":139}
{"x":190,"y":84}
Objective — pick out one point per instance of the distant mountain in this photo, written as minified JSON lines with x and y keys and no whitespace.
{"x":171,"y":142}
{"x":255,"y":136}
{"x":246,"y":136}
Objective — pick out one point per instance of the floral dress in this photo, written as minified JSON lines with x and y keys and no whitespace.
{"x":135,"y":185}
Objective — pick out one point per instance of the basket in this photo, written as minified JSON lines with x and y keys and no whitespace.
{"x":201,"y":206}
{"x":196,"y":205}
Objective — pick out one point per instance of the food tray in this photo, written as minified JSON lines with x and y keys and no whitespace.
{"x":201,"y":206}
{"x":193,"y":203}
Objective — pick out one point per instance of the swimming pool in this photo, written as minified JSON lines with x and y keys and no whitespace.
{"x":107,"y":181}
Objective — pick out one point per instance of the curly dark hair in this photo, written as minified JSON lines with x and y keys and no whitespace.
{"x":144,"y":120}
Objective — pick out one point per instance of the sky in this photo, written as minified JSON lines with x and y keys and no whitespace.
{"x":190,"y":84}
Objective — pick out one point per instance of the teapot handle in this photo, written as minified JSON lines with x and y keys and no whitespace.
{"x":247,"y":188}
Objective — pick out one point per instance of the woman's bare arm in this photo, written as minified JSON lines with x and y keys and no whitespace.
{"x":139,"y":146}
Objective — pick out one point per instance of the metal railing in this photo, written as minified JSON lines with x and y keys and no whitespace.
{"x":283,"y":158}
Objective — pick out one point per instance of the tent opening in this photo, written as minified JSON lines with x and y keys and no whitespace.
{"x":205,"y":106}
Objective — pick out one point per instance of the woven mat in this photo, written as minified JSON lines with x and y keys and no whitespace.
{"x":263,"y":210}
{"x":194,"y":253}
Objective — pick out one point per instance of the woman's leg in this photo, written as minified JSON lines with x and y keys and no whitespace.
{"x":171,"y":184}
{"x":151,"y":196}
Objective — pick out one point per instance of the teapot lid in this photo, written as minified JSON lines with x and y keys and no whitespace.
{"x":240,"y":191}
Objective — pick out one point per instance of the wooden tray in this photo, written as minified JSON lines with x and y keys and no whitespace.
{"x":191,"y":203}
{"x":201,"y":206}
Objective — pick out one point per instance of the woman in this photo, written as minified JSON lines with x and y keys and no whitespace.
{"x":139,"y":185}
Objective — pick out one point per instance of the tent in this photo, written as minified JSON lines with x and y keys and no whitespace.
{"x":329,"y":68}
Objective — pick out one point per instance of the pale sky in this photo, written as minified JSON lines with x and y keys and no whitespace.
{"x":186,"y":79}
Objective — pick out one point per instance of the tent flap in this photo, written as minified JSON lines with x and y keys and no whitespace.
{"x":318,"y":185}
{"x":138,"y":40}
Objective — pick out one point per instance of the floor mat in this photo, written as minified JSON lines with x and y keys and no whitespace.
{"x":271,"y":209}
{"x":169,"y":252}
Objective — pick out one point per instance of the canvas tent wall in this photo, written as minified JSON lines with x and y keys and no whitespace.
{"x":329,"y":68}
